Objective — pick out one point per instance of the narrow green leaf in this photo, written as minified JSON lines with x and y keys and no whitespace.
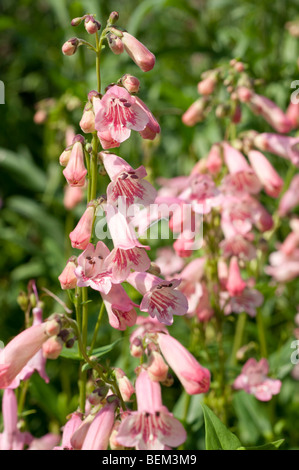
{"x":218,"y":436}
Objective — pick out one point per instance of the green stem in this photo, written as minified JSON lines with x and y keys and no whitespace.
{"x":95,"y":333}
{"x":238,"y":339}
{"x":98,"y":64}
{"x":24,"y":388}
{"x":261,"y":333}
{"x":84,"y":315}
{"x":94,"y":167}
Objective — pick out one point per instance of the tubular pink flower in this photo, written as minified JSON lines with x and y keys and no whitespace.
{"x":235,"y":284}
{"x":238,"y":246}
{"x":98,"y":434}
{"x":247,"y":301}
{"x":206,"y":86}
{"x":125,"y":387}
{"x":127,"y":182}
{"x":147,"y":325}
{"x":265,"y":172}
{"x":138,"y":52}
{"x":81,"y":234}
{"x":68,"y":430}
{"x":152,"y":427}
{"x":161,"y":299}
{"x":281,"y":145}
{"x":214,"y":160}
{"x":241,"y":177}
{"x":152,"y":128}
{"x":283,"y":267}
{"x":290,"y":199}
{"x":46,"y":442}
{"x":67,"y":278}
{"x":157,"y":369}
{"x":194,"y":114}
{"x":120,"y":308}
{"x":12,"y":438}
{"x":75,"y":170}
{"x":92,"y":269}
{"x":29,"y":342}
{"x":72,"y":196}
{"x":292,"y":114}
{"x":194,"y":377}
{"x":118,"y":113}
{"x":270,"y":112}
{"x":128,"y":252}
{"x":168,"y":262}
{"x":254,"y":380}
{"x":38,"y":361}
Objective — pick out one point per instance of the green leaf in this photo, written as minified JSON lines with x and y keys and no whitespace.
{"x":23,"y":170}
{"x":218,"y":436}
{"x":270,"y":446}
{"x":73,"y":353}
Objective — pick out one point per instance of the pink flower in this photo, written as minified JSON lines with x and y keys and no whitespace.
{"x":235,"y":284}
{"x":98,"y":434}
{"x":11,"y":438}
{"x":92,"y":269}
{"x":284,"y":146}
{"x":292,"y":114}
{"x":194,"y":377}
{"x":138,"y":52}
{"x":38,"y":361}
{"x":247,"y":301}
{"x":125,"y":387}
{"x":46,"y":442}
{"x":195,"y":113}
{"x":68,"y":430}
{"x":254,"y":380}
{"x":157,"y":369}
{"x":239,"y":246}
{"x":128,"y":252}
{"x":214,"y":160}
{"x":81,"y":234}
{"x":241,"y":177}
{"x":116,"y":114}
{"x":270,"y":112}
{"x":161,"y":299}
{"x":290,"y":199}
{"x":146,"y":325}
{"x":67,"y":278}
{"x":152,"y":427}
{"x":265,"y":172}
{"x":75,"y":170}
{"x":206,"y":86}
{"x":152,"y":128}
{"x":283,"y":267}
{"x":190,"y":284}
{"x":120,"y":308}
{"x":72,"y":196}
{"x":29,"y":342}
{"x":127,"y":182}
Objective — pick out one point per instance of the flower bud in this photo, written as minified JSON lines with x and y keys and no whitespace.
{"x":52,"y":327}
{"x":87,"y":120}
{"x":157,"y":369}
{"x":125,"y":387}
{"x":77,"y":21}
{"x":138,"y":52}
{"x":91,"y":24}
{"x":52,"y":347}
{"x":70,"y":46}
{"x":67,"y":278}
{"x":130,"y":83}
{"x":113,"y":17}
{"x":81,"y":234}
{"x":98,"y":394}
{"x":136,"y":348}
{"x":65,"y":156}
{"x":115,"y":44}
{"x":23,"y":301}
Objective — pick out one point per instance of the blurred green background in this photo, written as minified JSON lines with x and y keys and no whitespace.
{"x":187,"y":37}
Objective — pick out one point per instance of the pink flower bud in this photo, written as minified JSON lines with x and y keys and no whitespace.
{"x":52,"y":347}
{"x":290,"y":199}
{"x":70,"y":46}
{"x":130,"y":83}
{"x":136,"y":348}
{"x":67,"y":278}
{"x":206,"y":86}
{"x":138,"y":52}
{"x":98,"y":434}
{"x":157,"y":369}
{"x":292,"y":114}
{"x":65,"y":157}
{"x":72,"y":196}
{"x":81,"y":235}
{"x":214,"y":160}
{"x":235,"y":284}
{"x":87,"y":120}
{"x":91,"y":24}
{"x":244,"y":94}
{"x":265,"y":172}
{"x":115,"y":44}
{"x":195,"y":113}
{"x":75,"y":170}
{"x":125,"y":387}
